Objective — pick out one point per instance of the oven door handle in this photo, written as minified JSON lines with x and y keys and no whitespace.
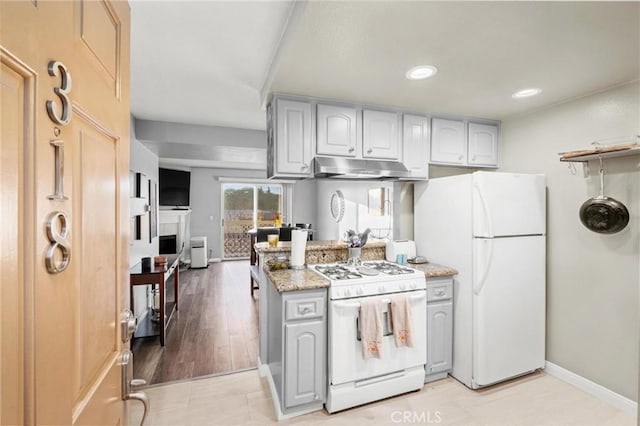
{"x":338,"y":304}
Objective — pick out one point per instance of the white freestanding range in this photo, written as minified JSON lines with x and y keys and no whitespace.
{"x":491,"y":227}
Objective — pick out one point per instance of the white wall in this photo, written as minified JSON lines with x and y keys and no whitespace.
{"x":143,"y":161}
{"x":592,"y":279}
{"x":355,"y":217}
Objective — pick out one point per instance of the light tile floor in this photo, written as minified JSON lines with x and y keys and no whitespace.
{"x":244,"y":399}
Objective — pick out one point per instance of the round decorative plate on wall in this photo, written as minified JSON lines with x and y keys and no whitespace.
{"x":337,"y":205}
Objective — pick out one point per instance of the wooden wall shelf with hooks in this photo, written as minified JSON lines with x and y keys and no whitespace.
{"x":632,"y":147}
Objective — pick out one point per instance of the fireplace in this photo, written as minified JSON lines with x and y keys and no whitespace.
{"x":168,"y":244}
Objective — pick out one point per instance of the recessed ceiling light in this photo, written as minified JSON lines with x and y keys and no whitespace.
{"x":421,"y":71}
{"x":525,"y":93}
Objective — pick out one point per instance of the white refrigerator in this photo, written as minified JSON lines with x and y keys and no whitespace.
{"x":491,"y":227}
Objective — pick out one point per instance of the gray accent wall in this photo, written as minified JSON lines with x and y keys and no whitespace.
{"x":144,"y":161}
{"x":206,"y":198}
{"x":592,"y":279}
{"x":305,"y":203}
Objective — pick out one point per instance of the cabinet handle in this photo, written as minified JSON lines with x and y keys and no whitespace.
{"x":305,"y":310}
{"x":370,"y":150}
{"x":304,"y":167}
{"x":316,"y":397}
{"x":461,"y":157}
{"x":352,"y":149}
{"x":440,"y":293}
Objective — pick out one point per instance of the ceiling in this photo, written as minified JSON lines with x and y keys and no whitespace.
{"x":213,"y":62}
{"x":484,"y":51}
{"x":203,"y":62}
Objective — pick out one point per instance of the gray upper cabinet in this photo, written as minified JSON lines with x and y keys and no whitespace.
{"x":462,"y":143}
{"x":448,"y":142}
{"x":380,"y":135}
{"x":290,"y":148}
{"x":415,"y":145}
{"x":483,"y":144}
{"x":304,"y":363}
{"x":337,"y":131}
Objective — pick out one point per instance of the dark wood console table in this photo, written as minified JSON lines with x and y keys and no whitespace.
{"x":157,"y":275}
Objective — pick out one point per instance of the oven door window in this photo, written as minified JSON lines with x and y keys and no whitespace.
{"x":387,"y":330}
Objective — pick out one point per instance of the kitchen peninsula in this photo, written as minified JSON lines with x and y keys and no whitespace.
{"x":296,"y":342}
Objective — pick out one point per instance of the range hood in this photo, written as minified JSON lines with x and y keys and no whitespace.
{"x":351,"y":168}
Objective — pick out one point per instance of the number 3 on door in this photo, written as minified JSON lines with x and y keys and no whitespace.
{"x":56,"y":68}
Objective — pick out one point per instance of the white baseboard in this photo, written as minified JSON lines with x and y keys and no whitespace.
{"x":592,"y":388}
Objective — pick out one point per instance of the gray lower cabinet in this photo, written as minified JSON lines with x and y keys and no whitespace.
{"x":304,"y":362}
{"x":296,"y":348}
{"x":439,"y":328}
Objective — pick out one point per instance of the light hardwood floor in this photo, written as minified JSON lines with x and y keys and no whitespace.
{"x":214,"y":331}
{"x":243,"y":398}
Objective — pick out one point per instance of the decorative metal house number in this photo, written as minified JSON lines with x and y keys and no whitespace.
{"x":57,"y":224}
{"x":58,"y":238}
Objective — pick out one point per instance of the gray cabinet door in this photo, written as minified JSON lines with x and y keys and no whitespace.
{"x":448,"y":141}
{"x":293,"y":138}
{"x":439,"y":337}
{"x":380,"y":135}
{"x":483,"y":144}
{"x":416,"y":145}
{"x":336,"y":128}
{"x":304,"y":363}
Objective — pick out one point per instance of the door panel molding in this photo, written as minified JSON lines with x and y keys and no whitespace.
{"x":17,"y":389}
{"x":106,"y":57}
{"x":94,"y":355}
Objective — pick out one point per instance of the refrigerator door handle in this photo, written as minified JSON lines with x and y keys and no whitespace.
{"x":477,"y":288}
{"x":485,"y":210}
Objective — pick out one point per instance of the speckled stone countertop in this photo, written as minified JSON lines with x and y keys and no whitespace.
{"x":330,"y":252}
{"x":432,"y":270}
{"x":296,"y":279}
{"x":325,"y":251}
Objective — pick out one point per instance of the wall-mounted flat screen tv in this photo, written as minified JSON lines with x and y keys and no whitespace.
{"x":174,"y":187}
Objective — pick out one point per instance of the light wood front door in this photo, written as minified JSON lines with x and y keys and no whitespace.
{"x":60,"y":341}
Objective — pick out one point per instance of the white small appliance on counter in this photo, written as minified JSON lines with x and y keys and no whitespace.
{"x":394,"y":248}
{"x":298,"y":246}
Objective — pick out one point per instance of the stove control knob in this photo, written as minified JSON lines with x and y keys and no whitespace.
{"x":347,"y":292}
{"x":381,"y":288}
{"x":359,"y":291}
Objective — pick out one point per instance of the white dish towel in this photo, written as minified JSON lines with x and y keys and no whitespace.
{"x":400,"y":319}
{"x":371,"y":328}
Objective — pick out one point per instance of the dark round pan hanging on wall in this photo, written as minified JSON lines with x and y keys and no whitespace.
{"x":603,"y":214}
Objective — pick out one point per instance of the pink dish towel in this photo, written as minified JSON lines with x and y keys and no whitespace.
{"x":371,"y":328}
{"x":400,"y":318}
